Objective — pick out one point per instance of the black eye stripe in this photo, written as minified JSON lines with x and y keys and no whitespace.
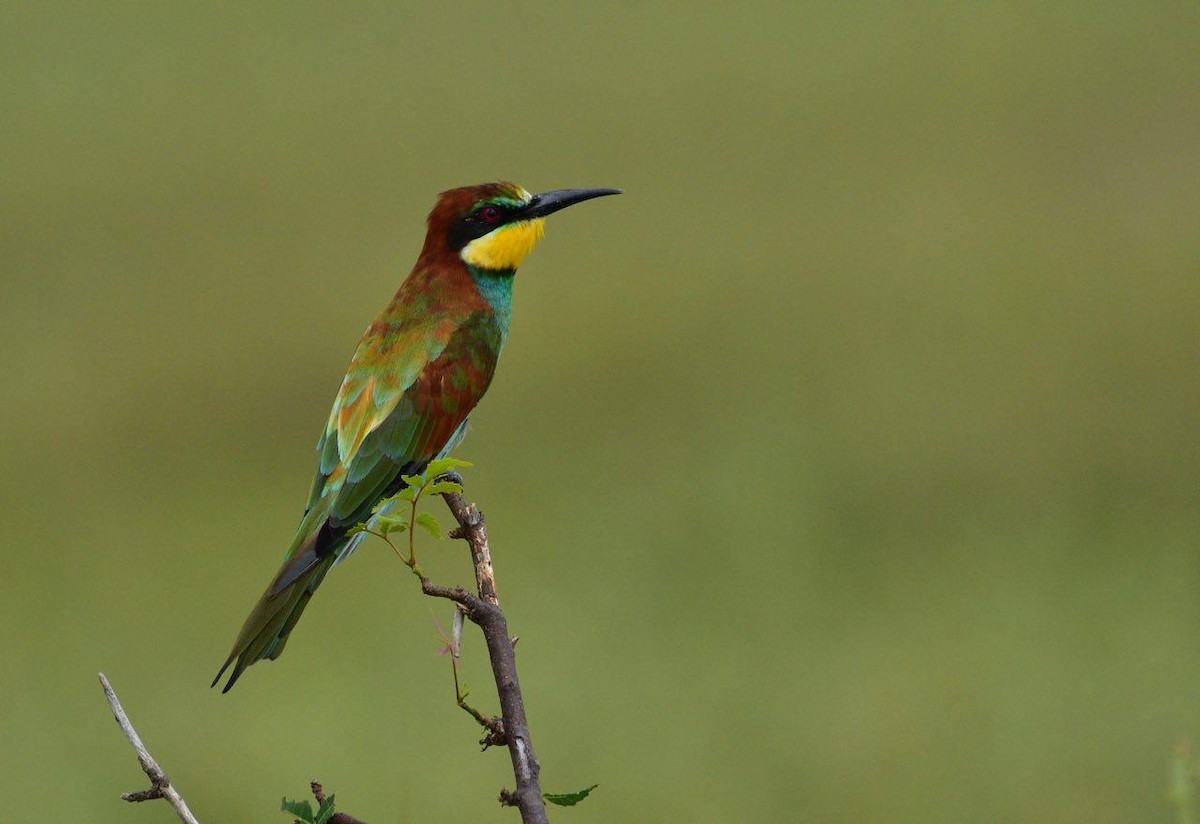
{"x":479,"y":222}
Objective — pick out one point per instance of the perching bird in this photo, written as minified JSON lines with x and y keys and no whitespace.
{"x":417,"y":373}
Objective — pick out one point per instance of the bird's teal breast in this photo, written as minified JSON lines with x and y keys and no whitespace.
{"x":495,"y":288}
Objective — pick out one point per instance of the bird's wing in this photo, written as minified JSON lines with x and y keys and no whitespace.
{"x":399,"y":404}
{"x":402,"y":400}
{"x":409,"y":388}
{"x":374,"y":417}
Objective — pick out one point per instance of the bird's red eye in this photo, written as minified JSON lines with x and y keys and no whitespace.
{"x":490,"y":214}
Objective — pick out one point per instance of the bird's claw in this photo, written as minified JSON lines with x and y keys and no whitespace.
{"x":451,"y":476}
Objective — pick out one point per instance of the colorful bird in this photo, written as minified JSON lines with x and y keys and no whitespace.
{"x":417,"y":373}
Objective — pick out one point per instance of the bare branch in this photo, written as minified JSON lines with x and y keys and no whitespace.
{"x":160,"y":785}
{"x":484,"y":610}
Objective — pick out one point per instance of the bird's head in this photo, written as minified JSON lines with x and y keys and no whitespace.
{"x":493,"y":226}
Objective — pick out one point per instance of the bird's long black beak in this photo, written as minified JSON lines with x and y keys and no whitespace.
{"x":547,"y":203}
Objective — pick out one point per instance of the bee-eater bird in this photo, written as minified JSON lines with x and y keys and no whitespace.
{"x":417,"y":373}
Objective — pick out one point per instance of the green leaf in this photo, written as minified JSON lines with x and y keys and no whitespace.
{"x":300,"y":809}
{"x":357,"y":528}
{"x":417,"y":481}
{"x":569,"y":799}
{"x":438,"y":487}
{"x":441,"y":465}
{"x":430,"y":523}
{"x":389,"y":525}
{"x":326,"y":811}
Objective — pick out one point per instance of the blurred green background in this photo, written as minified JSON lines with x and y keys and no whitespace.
{"x":846,"y":469}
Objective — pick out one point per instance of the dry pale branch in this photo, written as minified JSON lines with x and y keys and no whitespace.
{"x":160,"y":785}
{"x":473,"y":529}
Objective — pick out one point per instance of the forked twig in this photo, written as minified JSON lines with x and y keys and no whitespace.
{"x":160,"y":785}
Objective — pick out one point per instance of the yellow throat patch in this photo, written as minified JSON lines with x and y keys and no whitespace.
{"x":505,"y":247}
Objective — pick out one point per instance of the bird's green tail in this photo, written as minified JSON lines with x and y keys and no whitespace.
{"x":265,"y":632}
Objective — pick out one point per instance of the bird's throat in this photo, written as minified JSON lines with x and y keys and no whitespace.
{"x":506,"y":247}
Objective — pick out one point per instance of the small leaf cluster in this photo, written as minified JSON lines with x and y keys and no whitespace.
{"x":391,"y":516}
{"x":303,"y":810}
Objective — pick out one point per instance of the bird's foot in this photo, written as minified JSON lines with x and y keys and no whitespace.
{"x":451,"y":476}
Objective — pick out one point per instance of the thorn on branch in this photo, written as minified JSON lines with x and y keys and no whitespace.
{"x":494,"y":724}
{"x":495,"y":736}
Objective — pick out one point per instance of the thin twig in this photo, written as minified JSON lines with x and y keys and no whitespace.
{"x":160,"y":785}
{"x":493,"y":724}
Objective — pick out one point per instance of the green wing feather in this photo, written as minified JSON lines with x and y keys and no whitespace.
{"x":410,"y":386}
